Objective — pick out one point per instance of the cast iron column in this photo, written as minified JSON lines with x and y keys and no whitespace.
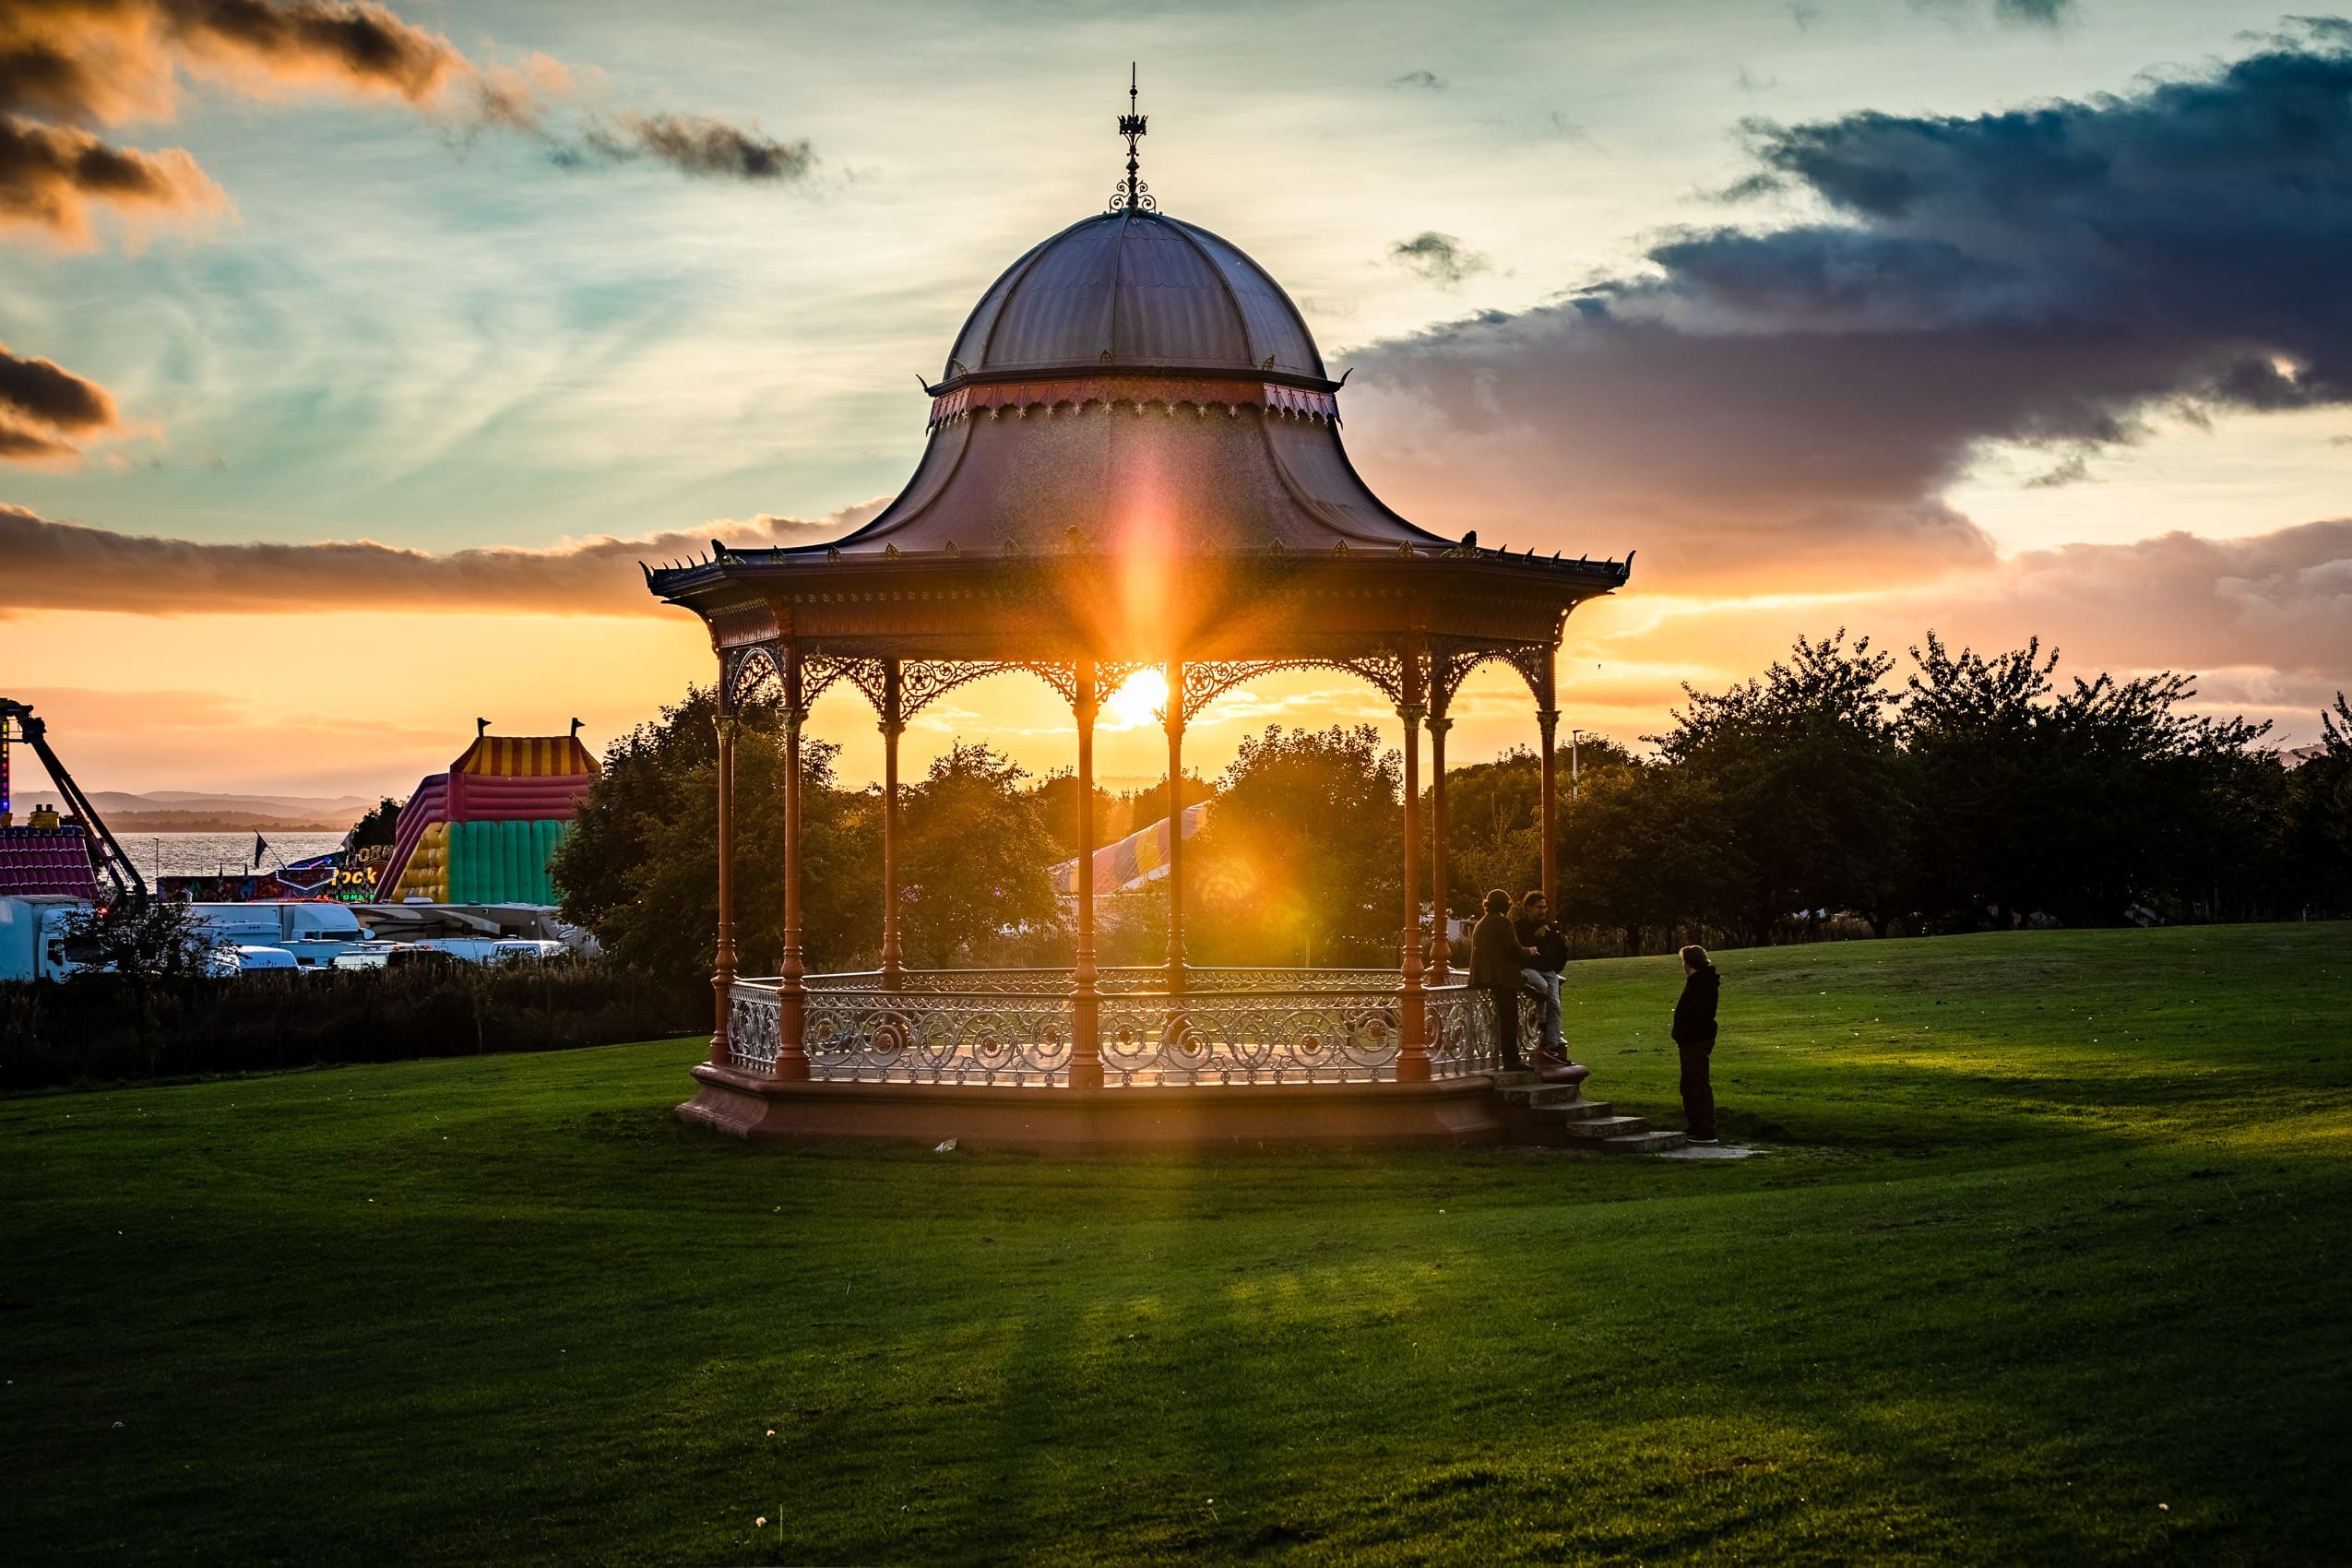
{"x":1440,"y":951}
{"x":1085,"y":1039}
{"x":1175,"y":825}
{"x":722,"y":979}
{"x":1412,"y":1054}
{"x":792,"y":1059}
{"x":893,"y":722}
{"x":1548,"y":721}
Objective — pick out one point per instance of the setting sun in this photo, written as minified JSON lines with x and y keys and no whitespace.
{"x":1139,"y":702}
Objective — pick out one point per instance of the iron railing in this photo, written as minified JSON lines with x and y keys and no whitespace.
{"x":1014,"y":1027}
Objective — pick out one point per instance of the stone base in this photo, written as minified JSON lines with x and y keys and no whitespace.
{"x":1062,"y":1121}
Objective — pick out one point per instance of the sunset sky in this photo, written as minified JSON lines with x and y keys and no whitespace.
{"x":1998,"y":319}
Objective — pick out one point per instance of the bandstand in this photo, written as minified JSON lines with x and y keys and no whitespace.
{"x":1134,"y":461}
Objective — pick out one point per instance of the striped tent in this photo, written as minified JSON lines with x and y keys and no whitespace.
{"x":1136,"y":860}
{"x":483,"y":832}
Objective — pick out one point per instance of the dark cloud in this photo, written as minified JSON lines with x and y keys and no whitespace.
{"x":43,"y":407}
{"x":43,"y":393}
{"x":2047,"y":15}
{"x":1440,"y":258}
{"x":50,"y":175}
{"x":18,"y":445}
{"x":1762,"y":402}
{"x":692,"y":144}
{"x":1430,"y":80}
{"x":2033,"y":13}
{"x":67,"y":66}
{"x":55,"y":566}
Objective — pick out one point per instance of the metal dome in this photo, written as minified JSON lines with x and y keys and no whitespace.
{"x":1135,"y":289}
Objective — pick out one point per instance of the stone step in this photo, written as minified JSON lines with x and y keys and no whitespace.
{"x":1642,"y":1143}
{"x":1601,"y":1129}
{"x":1507,"y":1081}
{"x":1572,"y":1111}
{"x":1541,"y":1094}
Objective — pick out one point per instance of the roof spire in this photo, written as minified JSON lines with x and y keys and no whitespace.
{"x":1133,"y":195}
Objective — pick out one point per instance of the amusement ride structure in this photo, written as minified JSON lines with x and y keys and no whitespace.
{"x":1134,"y":462}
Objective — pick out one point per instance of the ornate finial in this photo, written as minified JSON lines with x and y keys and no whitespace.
{"x":1135,"y":194}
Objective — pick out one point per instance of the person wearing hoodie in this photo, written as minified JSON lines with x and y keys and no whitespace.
{"x":1497,"y":961}
{"x":1694,"y":1032}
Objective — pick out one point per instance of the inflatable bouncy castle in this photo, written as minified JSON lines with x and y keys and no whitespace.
{"x":1136,"y":860}
{"x":483,"y":832}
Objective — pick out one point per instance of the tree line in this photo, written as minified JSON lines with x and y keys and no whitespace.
{"x":1839,"y":788}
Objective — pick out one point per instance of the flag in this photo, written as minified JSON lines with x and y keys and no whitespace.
{"x":260,"y":848}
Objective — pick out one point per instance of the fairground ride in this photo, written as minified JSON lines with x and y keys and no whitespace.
{"x":19,"y":725}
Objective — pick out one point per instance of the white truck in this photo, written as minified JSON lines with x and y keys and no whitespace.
{"x":313,"y":932}
{"x":32,"y":935}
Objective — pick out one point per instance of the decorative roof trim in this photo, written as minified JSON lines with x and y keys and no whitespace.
{"x":994,"y":398}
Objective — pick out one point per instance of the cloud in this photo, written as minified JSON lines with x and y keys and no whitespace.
{"x":55,"y":566}
{"x":69,"y":66}
{"x":49,"y":176}
{"x":692,"y":144}
{"x":1440,"y":258}
{"x":1765,"y":405}
{"x":2049,"y":15}
{"x":1428,"y":80}
{"x":2033,"y":13}
{"x":43,"y":408}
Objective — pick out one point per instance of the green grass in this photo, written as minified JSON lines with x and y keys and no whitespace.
{"x":2047,"y":1264}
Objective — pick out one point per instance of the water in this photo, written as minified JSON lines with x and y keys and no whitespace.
{"x":203,"y":854}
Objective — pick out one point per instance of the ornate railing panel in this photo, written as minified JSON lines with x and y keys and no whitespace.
{"x":753,"y":1027}
{"x":1461,"y":1032}
{"x":1013,"y":1027}
{"x":931,"y":1037}
{"x":1267,"y":1037}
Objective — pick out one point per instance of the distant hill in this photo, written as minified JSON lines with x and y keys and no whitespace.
{"x":193,"y":811}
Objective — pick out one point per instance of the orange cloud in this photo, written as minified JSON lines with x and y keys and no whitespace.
{"x":69,"y":65}
{"x":55,"y":566}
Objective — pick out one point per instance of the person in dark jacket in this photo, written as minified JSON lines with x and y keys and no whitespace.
{"x":1693,"y":1033}
{"x":1496,"y":963}
{"x":1540,"y":935}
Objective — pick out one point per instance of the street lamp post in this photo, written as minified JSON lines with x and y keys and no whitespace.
{"x":1572,"y":735}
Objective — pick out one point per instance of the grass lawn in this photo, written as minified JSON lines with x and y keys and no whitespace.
{"x":2047,"y":1261}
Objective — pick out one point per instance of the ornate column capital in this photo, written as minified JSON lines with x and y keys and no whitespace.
{"x":892,"y":728}
{"x":1412,"y":713}
{"x":1547,"y":718}
{"x":726,"y":725}
{"x":1437,"y":723}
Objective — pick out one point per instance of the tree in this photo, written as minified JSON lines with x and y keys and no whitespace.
{"x":639,"y":867}
{"x":1803,"y":773}
{"x":138,"y":944}
{"x":1301,"y":850}
{"x":144,"y":938}
{"x":2315,"y":821}
{"x":1644,"y":849}
{"x":2077,"y":801}
{"x":974,"y":860}
{"x":1056,"y":799}
{"x":378,"y":827}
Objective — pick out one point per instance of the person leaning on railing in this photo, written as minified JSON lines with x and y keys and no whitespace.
{"x":1539,"y":934}
{"x":1497,"y":964}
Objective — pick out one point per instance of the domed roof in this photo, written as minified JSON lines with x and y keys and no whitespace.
{"x":1132,"y":287}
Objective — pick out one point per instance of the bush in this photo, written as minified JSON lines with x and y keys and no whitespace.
{"x":101,"y":1027}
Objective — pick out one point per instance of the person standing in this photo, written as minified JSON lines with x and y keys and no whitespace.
{"x":1497,"y":964}
{"x":1694,"y":1032}
{"x":1540,"y":935}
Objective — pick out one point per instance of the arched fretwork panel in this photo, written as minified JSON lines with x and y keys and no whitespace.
{"x":750,"y":674}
